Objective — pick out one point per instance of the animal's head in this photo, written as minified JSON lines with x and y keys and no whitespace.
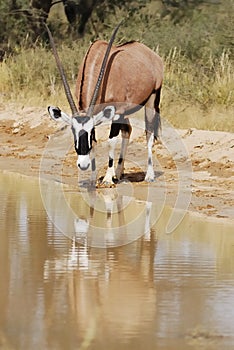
{"x":82,"y":126}
{"x":83,"y":129}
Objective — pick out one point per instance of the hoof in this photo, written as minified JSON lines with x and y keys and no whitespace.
{"x":149,"y":179}
{"x":116,"y":179}
{"x":106,"y":184}
{"x":124,"y":180}
{"x":118,"y":176}
{"x":149,"y":176}
{"x":93,"y":184}
{"x":102,"y":183}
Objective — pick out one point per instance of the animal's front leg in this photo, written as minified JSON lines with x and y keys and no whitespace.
{"x":126,"y":132}
{"x":108,"y":178}
{"x":120,"y":166}
{"x":93,"y":177}
{"x":149,"y":177}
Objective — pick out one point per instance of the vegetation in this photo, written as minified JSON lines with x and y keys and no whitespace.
{"x":193,"y":37}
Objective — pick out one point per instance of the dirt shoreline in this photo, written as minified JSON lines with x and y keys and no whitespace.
{"x":193,"y":167}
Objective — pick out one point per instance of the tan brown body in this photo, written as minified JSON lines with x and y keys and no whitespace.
{"x":133,"y":73}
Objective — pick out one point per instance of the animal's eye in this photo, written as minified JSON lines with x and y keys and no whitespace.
{"x":107,"y":113}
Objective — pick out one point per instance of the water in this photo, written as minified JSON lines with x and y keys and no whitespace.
{"x":91,"y":287}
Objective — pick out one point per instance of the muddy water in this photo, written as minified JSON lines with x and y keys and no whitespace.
{"x":89,"y":287}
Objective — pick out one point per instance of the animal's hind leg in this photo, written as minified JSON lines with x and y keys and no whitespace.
{"x":149,"y":177}
{"x":152,"y":114}
{"x":152,"y":126}
{"x":126,"y":130}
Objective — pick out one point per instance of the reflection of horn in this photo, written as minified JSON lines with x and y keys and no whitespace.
{"x":102,"y":71}
{"x":62,"y":74}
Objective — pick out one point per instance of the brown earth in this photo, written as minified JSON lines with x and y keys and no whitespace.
{"x":193,"y":167}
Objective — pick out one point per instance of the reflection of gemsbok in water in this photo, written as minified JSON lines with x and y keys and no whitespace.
{"x":113,"y":220}
{"x":97,"y":218}
{"x":110,"y":287}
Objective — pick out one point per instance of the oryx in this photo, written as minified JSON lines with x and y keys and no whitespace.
{"x":113,"y":82}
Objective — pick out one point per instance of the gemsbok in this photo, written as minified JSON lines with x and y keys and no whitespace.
{"x":113,"y":82}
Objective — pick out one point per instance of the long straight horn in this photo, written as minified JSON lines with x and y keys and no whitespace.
{"x":102,"y":71}
{"x":62,"y":74}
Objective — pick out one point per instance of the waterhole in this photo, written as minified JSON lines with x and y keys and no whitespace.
{"x":97,"y":271}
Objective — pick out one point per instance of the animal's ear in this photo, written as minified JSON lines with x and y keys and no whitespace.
{"x":57,"y":114}
{"x":107,"y":114}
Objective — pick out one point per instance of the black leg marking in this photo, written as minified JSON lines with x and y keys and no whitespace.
{"x":115,"y":129}
{"x":120,"y":160}
{"x":157,"y":125}
{"x":126,"y":127}
{"x":121,"y":124}
{"x":149,"y":161}
{"x":93,"y":164}
{"x":91,"y":211}
{"x":110,"y":162}
{"x":157,"y":100}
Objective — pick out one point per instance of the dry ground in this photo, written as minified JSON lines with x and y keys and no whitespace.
{"x":193,"y":165}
